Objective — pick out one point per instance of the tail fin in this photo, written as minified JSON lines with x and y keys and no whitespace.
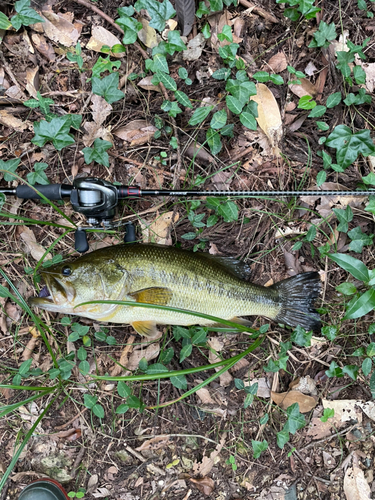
{"x":297,"y":296}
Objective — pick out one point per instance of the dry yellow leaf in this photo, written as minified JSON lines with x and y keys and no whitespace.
{"x":269,"y":118}
{"x":99,"y":37}
{"x":286,"y":399}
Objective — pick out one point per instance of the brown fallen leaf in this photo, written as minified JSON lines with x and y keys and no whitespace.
{"x":217,"y":345}
{"x":11,"y":121}
{"x":146,"y":84}
{"x":205,"y":485}
{"x":35,"y":249}
{"x":32,"y":79}
{"x":100,"y":111}
{"x":136,"y":132}
{"x":44,"y":47}
{"x":29,"y":348}
{"x":304,"y":88}
{"x":286,"y":399}
{"x":154,"y":443}
{"x":100,"y":37}
{"x":269,"y":117}
{"x":159,"y":230}
{"x":204,"y":467}
{"x":151,"y":352}
{"x":59,"y":27}
{"x":355,"y":485}
{"x":277,"y":63}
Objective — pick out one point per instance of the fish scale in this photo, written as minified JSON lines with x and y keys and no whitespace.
{"x":168,"y":276}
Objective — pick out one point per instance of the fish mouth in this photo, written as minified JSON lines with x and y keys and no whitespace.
{"x":56,"y":296}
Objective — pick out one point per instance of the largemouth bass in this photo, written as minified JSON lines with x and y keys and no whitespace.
{"x":168,"y":276}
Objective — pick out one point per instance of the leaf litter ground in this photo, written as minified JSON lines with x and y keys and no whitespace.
{"x":201,"y":446}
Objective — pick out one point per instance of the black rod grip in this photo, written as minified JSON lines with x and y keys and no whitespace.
{"x":50,"y":191}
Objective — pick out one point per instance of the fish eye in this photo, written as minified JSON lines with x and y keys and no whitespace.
{"x":66,"y":271}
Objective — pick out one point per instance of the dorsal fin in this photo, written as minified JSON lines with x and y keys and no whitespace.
{"x":234,"y":266}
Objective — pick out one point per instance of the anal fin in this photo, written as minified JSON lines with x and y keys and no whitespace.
{"x":145,"y":328}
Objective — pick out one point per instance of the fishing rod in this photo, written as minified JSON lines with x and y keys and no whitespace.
{"x":97,"y":199}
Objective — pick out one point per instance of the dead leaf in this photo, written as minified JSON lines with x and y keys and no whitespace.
{"x":355,"y":485}
{"x":32,"y":79}
{"x":304,"y":88}
{"x":44,"y":47}
{"x":217,"y":345}
{"x":286,"y":399}
{"x":269,"y":118}
{"x":204,"y":468}
{"x":137,"y":132}
{"x":196,"y":151}
{"x":263,"y":387}
{"x":58,"y":28}
{"x":194,"y":48}
{"x":148,"y":35}
{"x":151,"y":352}
{"x":29,"y":348}
{"x":277,"y":63}
{"x":154,"y":443}
{"x":311,"y":69}
{"x":11,"y":121}
{"x":14,"y":92}
{"x":32,"y":247}
{"x":99,"y":37}
{"x":159,"y":230}
{"x":100,"y":111}
{"x":205,"y":485}
{"x":146,"y":84}
{"x":101,"y":493}
{"x":205,"y":396}
{"x":92,"y":482}
{"x":306,"y":385}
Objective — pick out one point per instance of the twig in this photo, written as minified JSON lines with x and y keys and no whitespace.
{"x":258,"y":10}
{"x":10,"y":73}
{"x":70,"y":421}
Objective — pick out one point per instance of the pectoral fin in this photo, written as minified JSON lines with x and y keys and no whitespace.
{"x":146,"y":328}
{"x":155,"y":295}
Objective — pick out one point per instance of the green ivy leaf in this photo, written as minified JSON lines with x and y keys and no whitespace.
{"x":11,"y":166}
{"x":121,"y":409}
{"x":248,"y":120}
{"x":359,"y":239}
{"x":159,"y":12}
{"x":219,"y":119}
{"x":89,"y":401}
{"x":348,"y":145}
{"x":183,"y":99}
{"x":123,"y":389}
{"x":344,"y":216}
{"x":185,"y":352}
{"x":346,"y":288}
{"x":333,"y":100}
{"x":327,"y":413}
{"x":5,"y":24}
{"x":38,"y":176}
{"x":229,"y":211}
{"x":200,"y":115}
{"x":98,"y":410}
{"x":98,"y":152}
{"x":55,"y":131}
{"x":317,"y":112}
{"x":301,"y":337}
{"x":175,"y":43}
{"x":213,"y":141}
{"x":370,"y":349}
{"x":234,"y":104}
{"x":295,"y":419}
{"x":221,"y":74}
{"x":282,"y":438}
{"x":258,"y":447}
{"x":25,"y":15}
{"x":179,"y":381}
{"x":156,"y":368}
{"x":104,"y":64}
{"x":366,"y":366}
{"x":351,"y":371}
{"x":107,"y":87}
{"x":321,"y":178}
{"x":166,"y":80}
{"x":330,"y":332}
{"x":129,"y":25}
